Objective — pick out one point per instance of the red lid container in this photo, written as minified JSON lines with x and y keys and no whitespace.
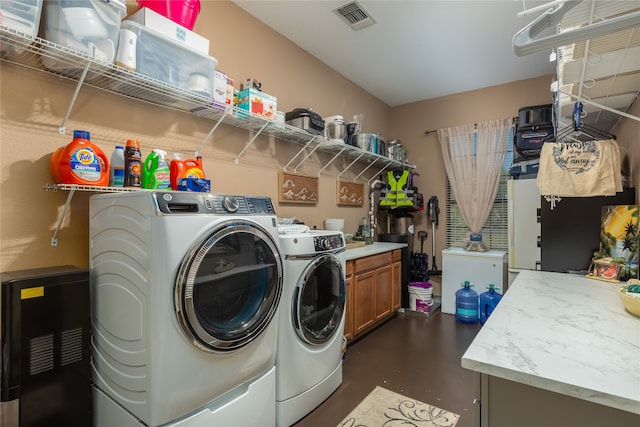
{"x":183,"y":12}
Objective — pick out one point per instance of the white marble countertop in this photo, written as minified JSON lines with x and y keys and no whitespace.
{"x":373,"y":249}
{"x":564,"y":333}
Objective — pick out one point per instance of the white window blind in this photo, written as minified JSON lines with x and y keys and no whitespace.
{"x":495,"y":233}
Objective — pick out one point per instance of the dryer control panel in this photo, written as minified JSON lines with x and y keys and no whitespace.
{"x":176,"y":202}
{"x":328,"y":242}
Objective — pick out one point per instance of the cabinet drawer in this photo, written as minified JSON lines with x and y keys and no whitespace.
{"x":373,"y":261}
{"x":349,"y":269}
{"x":396,"y":255}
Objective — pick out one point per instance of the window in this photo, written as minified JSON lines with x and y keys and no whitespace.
{"x":495,"y":231}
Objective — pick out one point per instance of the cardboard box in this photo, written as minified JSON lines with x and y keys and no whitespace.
{"x":220,"y":89}
{"x":258,"y":103}
{"x":156,"y":22}
{"x":230,"y":92}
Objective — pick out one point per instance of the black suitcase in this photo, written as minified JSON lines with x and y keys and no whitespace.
{"x":528,"y":142}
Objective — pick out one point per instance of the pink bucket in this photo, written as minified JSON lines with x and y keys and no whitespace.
{"x":183,"y":12}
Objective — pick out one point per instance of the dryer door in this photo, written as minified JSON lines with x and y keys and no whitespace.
{"x":229,"y":286}
{"x":319,"y":300}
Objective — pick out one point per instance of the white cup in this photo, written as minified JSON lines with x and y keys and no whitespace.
{"x":126,"y":56}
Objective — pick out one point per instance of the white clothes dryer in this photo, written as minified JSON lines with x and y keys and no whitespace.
{"x":185,"y":293}
{"x":311,"y":326}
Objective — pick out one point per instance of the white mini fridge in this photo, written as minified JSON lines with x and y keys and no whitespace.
{"x":480,"y":268}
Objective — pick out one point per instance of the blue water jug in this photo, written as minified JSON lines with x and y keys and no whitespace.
{"x":488,"y":302}
{"x":467,"y":304}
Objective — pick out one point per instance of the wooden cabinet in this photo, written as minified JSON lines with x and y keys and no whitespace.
{"x":362,"y":302}
{"x":375,"y":291}
{"x":396,"y":280}
{"x":382,"y":292}
{"x":348,"y":316}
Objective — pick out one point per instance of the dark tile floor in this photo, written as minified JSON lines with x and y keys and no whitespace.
{"x":410,"y":354}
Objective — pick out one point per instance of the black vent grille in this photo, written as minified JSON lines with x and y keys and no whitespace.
{"x":71,"y":349}
{"x":41,"y":354}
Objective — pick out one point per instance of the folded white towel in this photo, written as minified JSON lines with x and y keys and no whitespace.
{"x":292,"y":228}
{"x":580,"y":169}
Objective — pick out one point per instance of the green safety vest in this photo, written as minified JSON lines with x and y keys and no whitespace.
{"x":396,"y":195}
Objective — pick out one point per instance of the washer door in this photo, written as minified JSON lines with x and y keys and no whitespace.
{"x":319,"y":300}
{"x":228,"y":287}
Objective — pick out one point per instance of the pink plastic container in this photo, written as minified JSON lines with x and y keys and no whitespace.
{"x":183,"y":12}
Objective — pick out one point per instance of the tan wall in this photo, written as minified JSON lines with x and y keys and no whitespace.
{"x":32,"y":106}
{"x":411,"y":121}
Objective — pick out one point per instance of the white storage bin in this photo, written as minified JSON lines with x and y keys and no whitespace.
{"x":21,"y":17}
{"x":169,"y":61}
{"x":89,"y":28}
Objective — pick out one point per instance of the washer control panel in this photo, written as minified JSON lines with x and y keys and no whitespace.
{"x":176,"y":202}
{"x":328,"y":242}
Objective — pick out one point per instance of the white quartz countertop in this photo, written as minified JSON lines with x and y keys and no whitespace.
{"x":373,"y":249}
{"x":564,"y":333}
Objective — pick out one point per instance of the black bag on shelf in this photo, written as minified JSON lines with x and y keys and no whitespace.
{"x":535,"y":116}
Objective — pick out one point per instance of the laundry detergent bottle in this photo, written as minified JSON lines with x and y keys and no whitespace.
{"x":155,"y":172}
{"x":189,"y":168}
{"x":80,"y":162}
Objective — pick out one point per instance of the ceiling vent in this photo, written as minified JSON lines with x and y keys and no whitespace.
{"x":355,"y":16}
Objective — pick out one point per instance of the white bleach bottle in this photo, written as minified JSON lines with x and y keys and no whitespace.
{"x":116,"y":167}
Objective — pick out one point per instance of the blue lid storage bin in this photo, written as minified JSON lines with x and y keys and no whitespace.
{"x":20,"y":19}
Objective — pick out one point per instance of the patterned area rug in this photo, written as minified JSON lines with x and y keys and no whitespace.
{"x":385,"y":408}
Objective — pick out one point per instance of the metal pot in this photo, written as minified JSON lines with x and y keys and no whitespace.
{"x":364,"y":141}
{"x":396,"y":151}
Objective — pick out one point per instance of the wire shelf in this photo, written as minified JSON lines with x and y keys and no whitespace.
{"x":42,"y":55}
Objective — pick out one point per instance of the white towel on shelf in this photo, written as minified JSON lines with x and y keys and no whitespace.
{"x":580,"y":169}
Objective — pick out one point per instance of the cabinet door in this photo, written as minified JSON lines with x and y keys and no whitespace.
{"x":363,"y":301}
{"x":396,"y":285}
{"x":348,"y":316}
{"x":382,"y":293}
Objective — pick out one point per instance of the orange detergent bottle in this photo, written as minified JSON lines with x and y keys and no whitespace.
{"x":80,"y":162}
{"x":189,"y":168}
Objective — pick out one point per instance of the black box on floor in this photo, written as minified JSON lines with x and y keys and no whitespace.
{"x":46,"y":348}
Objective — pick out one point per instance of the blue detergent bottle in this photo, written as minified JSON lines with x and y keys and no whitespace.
{"x":467,"y":304}
{"x":488,"y":302}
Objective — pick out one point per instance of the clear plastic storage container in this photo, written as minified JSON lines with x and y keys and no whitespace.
{"x":89,"y":28}
{"x":21,"y":18}
{"x":170,"y":64}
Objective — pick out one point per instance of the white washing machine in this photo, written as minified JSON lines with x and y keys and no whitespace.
{"x":311,"y":326}
{"x":185,"y":292}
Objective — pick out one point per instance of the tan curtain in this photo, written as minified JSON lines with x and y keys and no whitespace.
{"x":473,"y":158}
